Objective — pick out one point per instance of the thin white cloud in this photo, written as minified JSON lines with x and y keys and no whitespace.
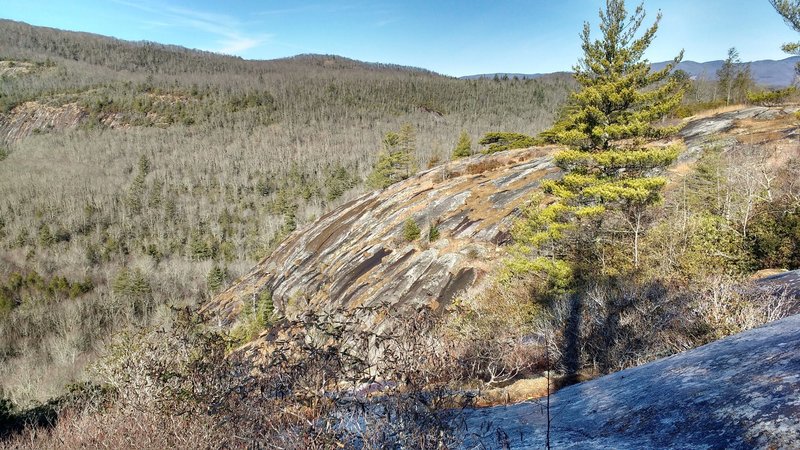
{"x":237,"y":46}
{"x":312,"y":8}
{"x":287,"y":11}
{"x":230,"y":33}
{"x":383,"y":23}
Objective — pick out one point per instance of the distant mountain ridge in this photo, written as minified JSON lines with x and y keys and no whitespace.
{"x":765,"y":72}
{"x":154,"y":57}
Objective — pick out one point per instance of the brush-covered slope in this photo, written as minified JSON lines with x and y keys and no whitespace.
{"x":359,"y":255}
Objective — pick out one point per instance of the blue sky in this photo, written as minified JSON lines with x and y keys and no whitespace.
{"x":450,"y":37}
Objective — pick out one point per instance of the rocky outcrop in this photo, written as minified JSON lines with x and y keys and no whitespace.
{"x":357,"y":255}
{"x":13,"y":69}
{"x":34,"y":117}
{"x":757,"y":123}
{"x":787,"y":283}
{"x":741,"y":392}
{"x":53,"y":115}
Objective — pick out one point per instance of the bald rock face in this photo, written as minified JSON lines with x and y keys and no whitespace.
{"x":357,"y":255}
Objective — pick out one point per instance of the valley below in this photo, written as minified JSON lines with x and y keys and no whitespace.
{"x":203,"y":251}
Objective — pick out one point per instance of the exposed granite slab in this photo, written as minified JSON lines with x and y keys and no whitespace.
{"x":741,"y":392}
{"x":786,"y":282}
{"x":357,"y":255}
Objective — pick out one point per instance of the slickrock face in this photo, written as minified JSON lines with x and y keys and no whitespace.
{"x":50,"y":115}
{"x":787,"y":283}
{"x":33,"y":117}
{"x":752,"y":125}
{"x":357,"y":254}
{"x":741,"y":392}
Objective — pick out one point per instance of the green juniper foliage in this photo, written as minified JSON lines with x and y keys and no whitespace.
{"x":500,"y":141}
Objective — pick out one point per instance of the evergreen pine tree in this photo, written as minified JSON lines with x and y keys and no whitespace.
{"x":619,"y":97}
{"x":790,"y":11}
{"x":734,"y":79}
{"x":396,"y":161}
{"x":463,"y":147}
{"x":605,"y":126}
{"x":216,"y":278}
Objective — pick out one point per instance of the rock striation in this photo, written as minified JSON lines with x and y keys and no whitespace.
{"x":357,"y":255}
{"x":787,"y":283}
{"x":741,"y":392}
{"x":35,"y":117}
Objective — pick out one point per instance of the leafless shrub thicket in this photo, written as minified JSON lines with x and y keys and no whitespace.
{"x":613,"y":326}
{"x":499,"y":334}
{"x":320,"y":382}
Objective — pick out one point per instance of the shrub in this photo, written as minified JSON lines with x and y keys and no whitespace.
{"x":463,"y":147}
{"x":46,"y":239}
{"x":690,"y":109}
{"x":6,"y":411}
{"x":483,"y":165}
{"x":774,"y":238}
{"x":313,"y":387}
{"x":433,"y":231}
{"x":255,"y":317}
{"x":6,"y":303}
{"x":499,"y":141}
{"x":770,"y":98}
{"x":489,"y":333}
{"x":411,"y":231}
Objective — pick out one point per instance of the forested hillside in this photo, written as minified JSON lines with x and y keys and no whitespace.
{"x":201,"y":251}
{"x":137,"y":175}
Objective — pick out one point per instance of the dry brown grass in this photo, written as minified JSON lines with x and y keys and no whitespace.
{"x":484,"y":165}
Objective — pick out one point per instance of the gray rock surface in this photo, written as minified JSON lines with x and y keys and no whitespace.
{"x":33,"y":117}
{"x":697,"y":134}
{"x":741,"y":392}
{"x":357,"y":255}
{"x":786,"y":282}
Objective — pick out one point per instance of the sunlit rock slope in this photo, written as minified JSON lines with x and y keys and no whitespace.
{"x":35,"y":117}
{"x":357,"y":255}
